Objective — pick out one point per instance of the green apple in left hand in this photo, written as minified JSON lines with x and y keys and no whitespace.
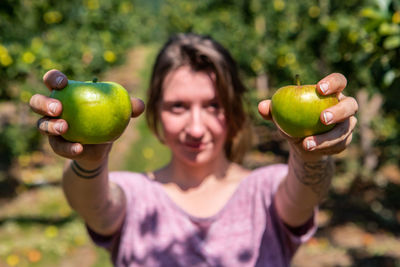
{"x":96,"y":112}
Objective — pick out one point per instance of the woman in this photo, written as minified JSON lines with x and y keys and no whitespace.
{"x":202,"y":208}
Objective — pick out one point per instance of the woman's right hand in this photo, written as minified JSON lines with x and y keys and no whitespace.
{"x":54,"y":127}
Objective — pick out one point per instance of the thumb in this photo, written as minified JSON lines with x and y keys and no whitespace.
{"x":55,"y":79}
{"x":264,"y":108}
{"x":137,"y":107}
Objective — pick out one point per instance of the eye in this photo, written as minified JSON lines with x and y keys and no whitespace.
{"x":177,"y":107}
{"x":213,"y":106}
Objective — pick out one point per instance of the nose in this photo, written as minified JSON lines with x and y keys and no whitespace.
{"x":196,"y":127}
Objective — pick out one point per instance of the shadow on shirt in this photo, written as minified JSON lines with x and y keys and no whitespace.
{"x":190,"y":251}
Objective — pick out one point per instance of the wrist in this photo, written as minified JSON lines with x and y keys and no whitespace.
{"x":94,"y":155}
{"x":302,"y":156}
{"x":299,"y":160}
{"x":91,"y":164}
{"x":316,"y":174}
{"x":87,"y":170}
{"x":302,"y":159}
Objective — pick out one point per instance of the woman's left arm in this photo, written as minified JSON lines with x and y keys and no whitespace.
{"x":310,"y":165}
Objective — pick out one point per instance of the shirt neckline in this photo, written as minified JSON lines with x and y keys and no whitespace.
{"x":194,"y":218}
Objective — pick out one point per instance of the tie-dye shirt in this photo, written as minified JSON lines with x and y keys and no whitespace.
{"x":246,"y":232}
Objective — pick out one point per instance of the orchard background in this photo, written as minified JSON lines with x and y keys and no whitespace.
{"x":359,"y":224}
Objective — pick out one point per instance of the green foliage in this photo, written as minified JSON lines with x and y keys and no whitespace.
{"x":80,"y":38}
{"x":359,"y":38}
{"x":149,"y":154}
{"x":312,"y":38}
{"x":19,"y":145}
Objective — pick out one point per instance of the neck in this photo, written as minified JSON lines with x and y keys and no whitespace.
{"x":188,"y":176}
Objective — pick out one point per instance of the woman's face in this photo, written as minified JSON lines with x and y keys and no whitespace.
{"x":192,"y":117}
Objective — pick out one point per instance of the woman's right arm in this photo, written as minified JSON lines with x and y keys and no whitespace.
{"x":85,"y":179}
{"x":99,"y":202}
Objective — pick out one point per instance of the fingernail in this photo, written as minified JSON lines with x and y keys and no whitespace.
{"x":59,"y":80}
{"x":310,"y":144}
{"x":328,"y":117}
{"x":59,"y":127}
{"x":75,"y":149}
{"x":324,"y":87}
{"x":53,"y":107}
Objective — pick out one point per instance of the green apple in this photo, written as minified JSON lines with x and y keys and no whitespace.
{"x":296,"y":109}
{"x":96,"y":112}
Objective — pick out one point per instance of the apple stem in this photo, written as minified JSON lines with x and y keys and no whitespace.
{"x":297,"y":79}
{"x":95,"y":79}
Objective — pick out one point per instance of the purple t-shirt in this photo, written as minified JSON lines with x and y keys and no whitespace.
{"x":245,"y":232}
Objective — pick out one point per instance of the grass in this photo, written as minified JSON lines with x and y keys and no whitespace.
{"x":39,"y":229}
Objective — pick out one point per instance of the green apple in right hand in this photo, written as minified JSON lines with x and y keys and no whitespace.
{"x":296,"y":109}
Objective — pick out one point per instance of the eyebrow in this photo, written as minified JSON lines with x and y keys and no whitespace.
{"x":171,"y":102}
{"x":168,"y":104}
{"x":215,"y":98}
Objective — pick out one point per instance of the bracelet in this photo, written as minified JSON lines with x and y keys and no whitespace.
{"x":85,"y":174}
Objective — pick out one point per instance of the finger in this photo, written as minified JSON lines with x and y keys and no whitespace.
{"x":45,"y":106}
{"x":96,"y":152}
{"x":55,"y":79}
{"x":64,"y":148}
{"x":341,"y":96}
{"x":332,"y":84}
{"x":339,"y":112}
{"x":264,"y":108}
{"x":330,"y":139}
{"x":50,"y":126}
{"x":338,"y":148}
{"x":138,"y":107}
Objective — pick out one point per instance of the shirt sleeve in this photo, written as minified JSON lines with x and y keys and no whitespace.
{"x":111,"y":243}
{"x":290,"y":238}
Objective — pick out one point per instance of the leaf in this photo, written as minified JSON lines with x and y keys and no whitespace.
{"x":370,"y":13}
{"x":389,"y":77}
{"x":391,"y":42}
{"x":383,"y":4}
{"x":389,"y":29}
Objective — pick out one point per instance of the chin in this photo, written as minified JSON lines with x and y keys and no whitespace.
{"x":196,"y":159}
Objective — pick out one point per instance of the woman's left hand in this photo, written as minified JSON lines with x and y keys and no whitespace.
{"x":336,"y":140}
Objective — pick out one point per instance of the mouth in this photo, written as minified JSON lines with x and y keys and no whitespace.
{"x":195,"y":145}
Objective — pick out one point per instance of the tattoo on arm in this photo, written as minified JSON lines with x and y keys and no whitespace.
{"x":317,"y":175}
{"x":86,"y":174}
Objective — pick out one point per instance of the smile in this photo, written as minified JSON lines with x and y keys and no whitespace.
{"x":195,"y":145}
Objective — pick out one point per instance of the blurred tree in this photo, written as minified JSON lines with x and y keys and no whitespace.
{"x":274,"y":40}
{"x":271,"y":40}
{"x":80,"y":38}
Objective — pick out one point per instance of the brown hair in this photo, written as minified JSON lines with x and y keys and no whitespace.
{"x":202,"y":53}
